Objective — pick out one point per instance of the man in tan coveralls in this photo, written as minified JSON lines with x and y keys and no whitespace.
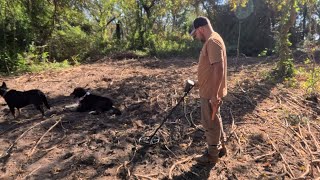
{"x":212,"y":83}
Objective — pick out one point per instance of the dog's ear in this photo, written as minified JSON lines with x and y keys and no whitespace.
{"x":4,"y":85}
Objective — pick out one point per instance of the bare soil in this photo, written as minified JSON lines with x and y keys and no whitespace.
{"x":273,"y":131}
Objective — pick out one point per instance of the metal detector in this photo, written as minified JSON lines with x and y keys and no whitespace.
{"x":150,"y":140}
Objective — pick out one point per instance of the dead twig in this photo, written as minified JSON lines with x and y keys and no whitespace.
{"x":239,"y":144}
{"x":33,"y":171}
{"x":8,"y":151}
{"x":147,"y":177}
{"x":294,"y":148}
{"x":316,"y":143}
{"x":241,"y":87}
{"x":233,"y":127}
{"x":190,"y":121}
{"x":282,"y":157}
{"x":316,"y":161}
{"x":170,"y":151}
{"x":303,"y":175}
{"x":264,"y":155}
{"x":128,"y":162}
{"x":35,"y":146}
{"x":233,"y":132}
{"x":304,"y":141}
{"x":125,"y":167}
{"x":179,"y":162}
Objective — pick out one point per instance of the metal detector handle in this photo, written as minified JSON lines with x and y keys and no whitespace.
{"x":188,"y":86}
{"x":165,"y":119}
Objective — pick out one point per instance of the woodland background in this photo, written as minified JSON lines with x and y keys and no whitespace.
{"x":66,"y":32}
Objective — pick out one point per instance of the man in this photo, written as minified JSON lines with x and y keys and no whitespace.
{"x":212,"y":83}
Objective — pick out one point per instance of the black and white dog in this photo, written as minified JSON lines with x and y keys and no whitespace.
{"x":20,"y":99}
{"x":91,"y":102}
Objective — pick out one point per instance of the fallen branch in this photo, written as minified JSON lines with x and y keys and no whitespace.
{"x":180,"y":162}
{"x":144,"y":176}
{"x":233,"y":128}
{"x":282,"y":157}
{"x":240,"y":87}
{"x":302,"y":139}
{"x":35,"y":146}
{"x":170,"y":151}
{"x":316,"y":143}
{"x":33,"y":171}
{"x":264,"y":155}
{"x":303,"y":175}
{"x":295,"y":149}
{"x":239,"y":144}
{"x":315,"y":161}
{"x":124,"y":165}
{"x":8,"y":151}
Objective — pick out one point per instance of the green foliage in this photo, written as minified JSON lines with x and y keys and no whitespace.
{"x":291,"y":82}
{"x":44,"y":66}
{"x":286,"y":68}
{"x":309,"y":78}
{"x":263,"y":53}
{"x":6,"y":63}
{"x":82,"y":30}
{"x":69,"y":42}
{"x":34,"y":60}
{"x":174,"y":46}
{"x":295,"y":120}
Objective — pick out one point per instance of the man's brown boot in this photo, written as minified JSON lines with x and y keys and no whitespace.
{"x":207,"y":159}
{"x":211,"y":157}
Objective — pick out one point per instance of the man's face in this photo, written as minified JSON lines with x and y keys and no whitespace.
{"x":198,"y":35}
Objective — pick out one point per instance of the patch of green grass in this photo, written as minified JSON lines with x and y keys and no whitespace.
{"x":43,"y":66}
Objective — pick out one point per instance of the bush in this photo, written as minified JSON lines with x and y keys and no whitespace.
{"x":35,"y":60}
{"x":173,"y":46}
{"x":309,"y":77}
{"x":69,"y":42}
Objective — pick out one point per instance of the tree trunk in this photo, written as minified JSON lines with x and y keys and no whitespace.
{"x":285,"y":65}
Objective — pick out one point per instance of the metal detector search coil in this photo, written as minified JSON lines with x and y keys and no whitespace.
{"x":149,"y":140}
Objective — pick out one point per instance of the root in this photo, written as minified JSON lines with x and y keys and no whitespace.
{"x":35,"y":146}
{"x":7,"y":153}
{"x":177,"y":163}
{"x":264,"y":155}
{"x":282,"y":157}
{"x":145,"y":176}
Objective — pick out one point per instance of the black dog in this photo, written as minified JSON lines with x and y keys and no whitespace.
{"x":91,"y":102}
{"x":19,"y":99}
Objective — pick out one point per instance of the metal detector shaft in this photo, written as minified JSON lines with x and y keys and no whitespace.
{"x":165,"y":119}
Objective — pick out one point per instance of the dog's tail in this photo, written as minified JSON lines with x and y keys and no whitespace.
{"x":44,"y":100}
{"x":116,"y":111}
